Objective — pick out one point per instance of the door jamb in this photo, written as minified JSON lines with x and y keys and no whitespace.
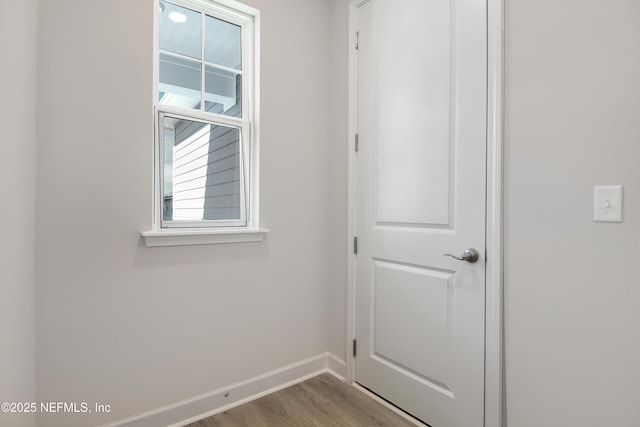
{"x":494,"y":413}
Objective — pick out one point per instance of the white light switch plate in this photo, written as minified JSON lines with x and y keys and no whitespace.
{"x":607,"y":204}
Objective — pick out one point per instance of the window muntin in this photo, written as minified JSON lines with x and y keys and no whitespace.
{"x":212,"y":84}
{"x":204,"y":116}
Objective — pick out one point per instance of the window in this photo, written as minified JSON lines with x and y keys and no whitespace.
{"x":206,"y":139}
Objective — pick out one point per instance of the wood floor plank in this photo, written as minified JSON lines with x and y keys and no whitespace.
{"x":322,"y":401}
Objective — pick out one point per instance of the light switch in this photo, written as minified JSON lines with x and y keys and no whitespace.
{"x":607,"y":204}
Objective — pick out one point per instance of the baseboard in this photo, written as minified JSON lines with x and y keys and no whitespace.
{"x":336,"y":366}
{"x":224,"y":398}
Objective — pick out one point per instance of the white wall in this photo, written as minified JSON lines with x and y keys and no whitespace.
{"x":18,"y":44}
{"x":572,"y":285}
{"x":137,"y":328}
{"x":337,"y":71}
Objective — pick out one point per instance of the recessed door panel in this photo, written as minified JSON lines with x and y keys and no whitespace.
{"x":414,"y":111}
{"x":412,"y":320}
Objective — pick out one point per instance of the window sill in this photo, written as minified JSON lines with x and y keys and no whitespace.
{"x":174,"y":237}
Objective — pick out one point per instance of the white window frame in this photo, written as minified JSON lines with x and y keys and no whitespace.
{"x":171,"y":233}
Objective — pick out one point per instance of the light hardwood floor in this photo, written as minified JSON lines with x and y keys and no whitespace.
{"x":320,"y":401}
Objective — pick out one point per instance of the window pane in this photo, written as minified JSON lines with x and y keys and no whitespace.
{"x":202,"y":179}
{"x":181,"y":81}
{"x":180,"y":30}
{"x":222,"y":43}
{"x":223,"y":92}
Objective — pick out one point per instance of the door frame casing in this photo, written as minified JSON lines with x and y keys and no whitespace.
{"x":494,"y":320}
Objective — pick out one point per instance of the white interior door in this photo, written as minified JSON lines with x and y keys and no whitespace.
{"x":421,"y":193}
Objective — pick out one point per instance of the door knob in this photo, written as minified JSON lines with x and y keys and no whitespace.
{"x":469,"y":255}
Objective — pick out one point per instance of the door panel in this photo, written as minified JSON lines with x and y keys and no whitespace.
{"x":413,"y":113}
{"x":421,"y":194}
{"x":409,"y":303}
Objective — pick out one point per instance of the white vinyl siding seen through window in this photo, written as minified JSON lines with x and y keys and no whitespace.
{"x":203,"y":170}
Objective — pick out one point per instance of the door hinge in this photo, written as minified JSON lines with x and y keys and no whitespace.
{"x":357,"y":142}
{"x":357,"y":40}
{"x":355,"y":245}
{"x":355,"y":347}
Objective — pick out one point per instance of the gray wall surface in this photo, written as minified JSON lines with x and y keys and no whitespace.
{"x":19,"y":47}
{"x":572,"y":285}
{"x":336,"y":223}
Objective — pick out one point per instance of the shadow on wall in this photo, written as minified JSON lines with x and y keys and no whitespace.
{"x":219,"y":254}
